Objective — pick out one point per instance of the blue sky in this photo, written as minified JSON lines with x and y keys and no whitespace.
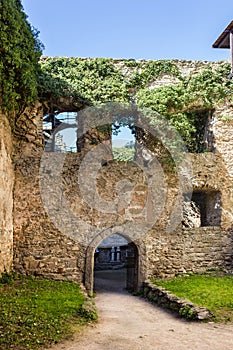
{"x":149,"y":29}
{"x":179,"y":29}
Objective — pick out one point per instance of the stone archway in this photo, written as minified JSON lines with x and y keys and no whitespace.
{"x":135,"y":273}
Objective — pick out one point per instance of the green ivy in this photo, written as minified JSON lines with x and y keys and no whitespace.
{"x":148,"y":71}
{"x":186,"y":104}
{"x":20,"y":54}
{"x":96,"y":80}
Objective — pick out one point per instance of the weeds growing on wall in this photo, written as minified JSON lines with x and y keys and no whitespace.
{"x":186,"y":104}
{"x":96,"y":80}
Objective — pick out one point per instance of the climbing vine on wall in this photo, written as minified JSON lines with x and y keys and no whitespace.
{"x":96,"y":80}
{"x":189,"y":103}
{"x":145,"y":72}
{"x":186,"y":103}
{"x":99,"y":80}
{"x":20,"y":54}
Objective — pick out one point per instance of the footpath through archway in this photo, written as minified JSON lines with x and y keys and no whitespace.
{"x":104,"y":256}
{"x":116,"y":259}
{"x":127,"y":322}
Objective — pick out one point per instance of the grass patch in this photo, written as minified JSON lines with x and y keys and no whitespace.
{"x":213,"y":292}
{"x":37,"y":312}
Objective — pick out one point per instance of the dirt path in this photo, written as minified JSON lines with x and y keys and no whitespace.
{"x":130,"y":323}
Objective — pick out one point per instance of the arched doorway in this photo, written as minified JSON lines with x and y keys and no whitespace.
{"x":114,"y":260}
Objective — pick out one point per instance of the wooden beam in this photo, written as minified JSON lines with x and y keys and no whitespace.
{"x":231,"y":50}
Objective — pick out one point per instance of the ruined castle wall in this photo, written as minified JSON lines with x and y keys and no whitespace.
{"x":6,"y":197}
{"x":220,"y":134}
{"x":53,"y":224}
{"x":200,"y":248}
{"x":56,"y":221}
{"x":63,"y":205}
{"x":219,"y":137}
{"x":186,"y":68}
{"x":39,"y":246}
{"x":188,"y":251}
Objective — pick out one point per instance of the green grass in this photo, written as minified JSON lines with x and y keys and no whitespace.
{"x":212,"y":292}
{"x":37,"y":312}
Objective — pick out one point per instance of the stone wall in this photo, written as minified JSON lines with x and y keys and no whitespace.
{"x":54,"y":242}
{"x":39,"y":247}
{"x":65,"y":205}
{"x":183,"y":307}
{"x":6,"y":197}
{"x":186,"y":68}
{"x":211,"y":174}
{"x":200,"y":248}
{"x":55,"y":222}
{"x":188,"y":251}
{"x":220,"y":134}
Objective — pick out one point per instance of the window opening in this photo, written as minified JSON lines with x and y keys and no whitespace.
{"x":204,"y":209}
{"x":123,"y":143}
{"x":60,"y":132}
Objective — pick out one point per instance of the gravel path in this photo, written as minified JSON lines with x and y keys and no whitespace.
{"x":131,"y":323}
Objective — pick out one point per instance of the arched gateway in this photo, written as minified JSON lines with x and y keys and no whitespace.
{"x":134,"y":273}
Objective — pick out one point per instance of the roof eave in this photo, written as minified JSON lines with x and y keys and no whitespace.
{"x":218,"y":44}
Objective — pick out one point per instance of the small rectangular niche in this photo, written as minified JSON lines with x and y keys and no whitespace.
{"x":204,"y":209}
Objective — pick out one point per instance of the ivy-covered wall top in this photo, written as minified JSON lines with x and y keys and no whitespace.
{"x":185,"y":92}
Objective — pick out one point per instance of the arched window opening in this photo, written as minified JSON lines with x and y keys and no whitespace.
{"x":123,"y":142}
{"x":60,"y":131}
{"x":116,"y":264}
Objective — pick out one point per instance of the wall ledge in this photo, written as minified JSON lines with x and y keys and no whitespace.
{"x":184,"y":307}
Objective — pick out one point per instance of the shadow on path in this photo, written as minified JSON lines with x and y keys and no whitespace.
{"x":110,"y":281}
{"x":131,"y":323}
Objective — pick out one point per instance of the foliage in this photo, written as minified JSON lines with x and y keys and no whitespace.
{"x":188,"y":312}
{"x":99,"y":80}
{"x":208,"y":290}
{"x":20,"y":53}
{"x":187,"y":103}
{"x":96,"y":80}
{"x":88,"y":311}
{"x":123,"y":154}
{"x":6,"y":277}
{"x":148,"y":71}
{"x":36,"y":312}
